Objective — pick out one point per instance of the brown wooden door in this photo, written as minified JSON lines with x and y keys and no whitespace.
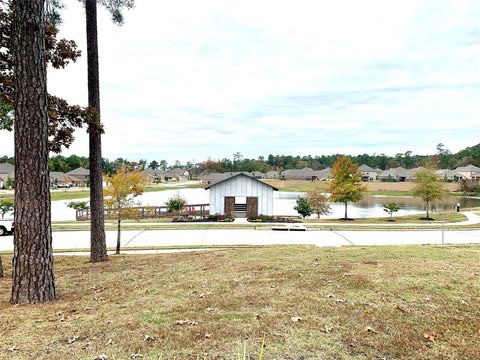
{"x":229,"y":205}
{"x":252,"y":206}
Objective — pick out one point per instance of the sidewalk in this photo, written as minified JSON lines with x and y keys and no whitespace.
{"x":472,"y":219}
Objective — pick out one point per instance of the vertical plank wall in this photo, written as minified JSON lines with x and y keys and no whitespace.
{"x":241,"y":185}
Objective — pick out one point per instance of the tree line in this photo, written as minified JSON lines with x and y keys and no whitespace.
{"x":443,"y":159}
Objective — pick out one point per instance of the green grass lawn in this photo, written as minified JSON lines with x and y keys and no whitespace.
{"x":450,"y":217}
{"x":418,"y":302}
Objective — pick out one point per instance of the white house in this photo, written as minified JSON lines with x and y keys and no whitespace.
{"x":241,"y":196}
{"x":368,"y":173}
{"x":467,"y":171}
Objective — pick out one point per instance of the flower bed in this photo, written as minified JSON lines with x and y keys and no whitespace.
{"x":271,"y":219}
{"x":209,"y":218}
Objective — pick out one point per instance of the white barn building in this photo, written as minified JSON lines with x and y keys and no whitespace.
{"x":241,"y":196}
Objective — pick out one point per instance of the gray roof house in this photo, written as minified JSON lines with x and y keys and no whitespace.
{"x":7,"y":174}
{"x":450,"y":175}
{"x":212,"y":178}
{"x":324,"y":174}
{"x":154,"y":176}
{"x":368,"y":173}
{"x":272,"y":175}
{"x":6,"y":168}
{"x":398,"y":174}
{"x":177,"y":174}
{"x":298,"y":174}
{"x":57,"y":177}
{"x":468,"y":171}
{"x":81,"y":171}
{"x":82,"y":174}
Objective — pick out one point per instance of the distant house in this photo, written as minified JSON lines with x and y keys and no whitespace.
{"x":368,"y":173}
{"x":7,"y":175}
{"x":209,"y":179}
{"x":241,"y":196}
{"x":60,"y":178}
{"x":398,"y":174}
{"x":450,"y":175}
{"x":299,"y":174}
{"x":234,"y":173}
{"x":468,"y":171}
{"x":476,"y":176}
{"x":154,"y":176}
{"x":258,"y":175}
{"x":177,"y":174}
{"x":272,"y":175}
{"x":323,"y":175}
{"x":412,"y":173}
{"x":82,"y":174}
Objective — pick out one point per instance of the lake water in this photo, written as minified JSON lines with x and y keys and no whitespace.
{"x":370,"y":206}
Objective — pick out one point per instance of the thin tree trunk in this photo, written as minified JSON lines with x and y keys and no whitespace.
{"x":346,"y":204}
{"x":33,"y":279}
{"x":119,"y":224}
{"x":1,"y":268}
{"x":428,"y":211}
{"x":98,"y":246}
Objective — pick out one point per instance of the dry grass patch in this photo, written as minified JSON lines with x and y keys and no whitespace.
{"x":353,"y":303}
{"x":380,"y":188}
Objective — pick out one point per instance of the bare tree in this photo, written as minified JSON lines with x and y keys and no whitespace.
{"x":33,"y":279}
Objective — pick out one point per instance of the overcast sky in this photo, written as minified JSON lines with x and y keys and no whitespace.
{"x":195,"y":79}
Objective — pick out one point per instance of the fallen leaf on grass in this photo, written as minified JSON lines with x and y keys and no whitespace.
{"x":186,"y":322}
{"x":431,"y":337}
{"x":401,"y":309}
{"x":136,"y":355}
{"x":297,"y":319}
{"x":370,"y":329}
{"x":101,"y":357}
{"x":109,"y":342}
{"x":258,"y":317}
{"x":148,"y":338}
{"x":326,"y":329}
{"x":210,"y":309}
{"x":463,"y":302}
{"x":72,"y":340}
{"x":13,"y":349}
{"x":208,"y":336}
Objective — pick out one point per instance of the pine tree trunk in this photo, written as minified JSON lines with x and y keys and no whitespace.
{"x":98,"y":246}
{"x":119,"y":225}
{"x":33,"y":279}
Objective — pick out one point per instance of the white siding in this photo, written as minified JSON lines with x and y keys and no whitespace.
{"x":241,"y":186}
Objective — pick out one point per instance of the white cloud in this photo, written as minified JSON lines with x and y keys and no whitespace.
{"x":189,"y":79}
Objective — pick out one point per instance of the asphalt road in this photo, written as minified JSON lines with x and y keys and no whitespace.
{"x":136,"y":238}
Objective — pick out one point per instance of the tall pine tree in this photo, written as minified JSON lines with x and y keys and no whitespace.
{"x":33,"y":279}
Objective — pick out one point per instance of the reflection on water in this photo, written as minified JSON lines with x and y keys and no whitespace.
{"x":370,"y":206}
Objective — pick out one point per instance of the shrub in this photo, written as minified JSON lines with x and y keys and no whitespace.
{"x":176,"y":204}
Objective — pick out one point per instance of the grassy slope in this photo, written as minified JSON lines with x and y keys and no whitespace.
{"x":373,"y":188}
{"x":402,"y":293}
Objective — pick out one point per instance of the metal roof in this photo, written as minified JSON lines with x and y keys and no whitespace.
{"x":237,"y":175}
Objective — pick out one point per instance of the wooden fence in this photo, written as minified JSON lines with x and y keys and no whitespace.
{"x":151,"y":212}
